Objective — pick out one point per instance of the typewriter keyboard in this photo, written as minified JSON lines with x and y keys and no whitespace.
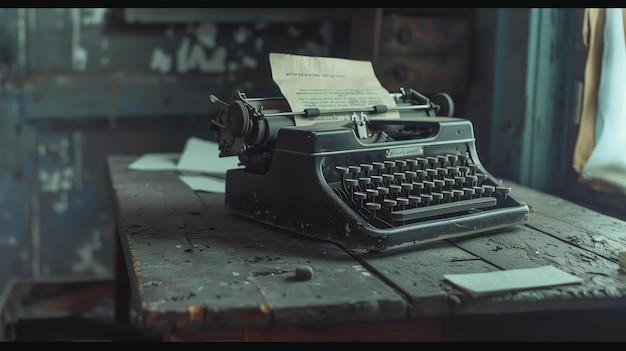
{"x":395,"y":192}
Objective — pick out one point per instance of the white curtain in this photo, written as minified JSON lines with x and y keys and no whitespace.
{"x":606,"y":165}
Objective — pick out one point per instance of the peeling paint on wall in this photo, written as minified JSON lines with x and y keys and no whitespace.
{"x":60,"y":205}
{"x":160,"y":61}
{"x":56,"y":181}
{"x":35,"y":233}
{"x":241,"y":35}
{"x":199,"y":49}
{"x":51,"y":231}
{"x":233,"y":66}
{"x":61,"y":180}
{"x":206,"y":33}
{"x":94,"y":16}
{"x":86,"y":254}
{"x":249,"y":62}
{"x":196,"y":58}
{"x":79,"y":53}
{"x":77,"y":140}
{"x":104,"y":46}
{"x":21,"y":37}
{"x":61,"y":149}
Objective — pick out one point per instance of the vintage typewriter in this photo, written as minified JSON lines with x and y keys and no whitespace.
{"x":368,"y":183}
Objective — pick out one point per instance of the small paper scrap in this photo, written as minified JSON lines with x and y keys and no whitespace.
{"x":480,"y":284}
{"x":155,"y":162}
{"x":202,"y":156}
{"x":201,"y":167}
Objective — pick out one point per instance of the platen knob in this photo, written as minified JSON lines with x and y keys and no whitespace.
{"x":238,"y":119}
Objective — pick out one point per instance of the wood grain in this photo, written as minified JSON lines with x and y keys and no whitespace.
{"x":198,"y":271}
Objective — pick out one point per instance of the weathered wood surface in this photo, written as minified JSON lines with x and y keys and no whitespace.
{"x":559,"y":233}
{"x":196,"y":267}
{"x":582,"y":227}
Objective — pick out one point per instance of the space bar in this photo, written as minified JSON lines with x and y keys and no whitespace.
{"x":439,"y":209}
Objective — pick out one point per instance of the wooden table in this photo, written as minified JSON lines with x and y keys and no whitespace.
{"x":196,"y":271}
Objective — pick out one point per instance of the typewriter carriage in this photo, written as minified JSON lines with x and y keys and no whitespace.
{"x":246,"y":123}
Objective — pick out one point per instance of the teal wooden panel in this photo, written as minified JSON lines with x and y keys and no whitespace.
{"x":548,"y":87}
{"x":532,"y":80}
{"x":78,"y":84}
{"x":15,"y":244}
{"x":509,"y":93}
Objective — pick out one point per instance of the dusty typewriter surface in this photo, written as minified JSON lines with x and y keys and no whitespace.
{"x":404,"y":181}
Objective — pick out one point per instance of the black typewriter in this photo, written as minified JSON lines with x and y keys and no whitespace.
{"x":368,"y":183}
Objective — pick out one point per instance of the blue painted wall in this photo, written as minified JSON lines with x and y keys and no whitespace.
{"x":77,"y":85}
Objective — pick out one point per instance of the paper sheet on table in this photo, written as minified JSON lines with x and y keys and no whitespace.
{"x":202,"y":156}
{"x":328,"y":84}
{"x":479,"y":284}
{"x":200,"y":166}
{"x":155,"y":162}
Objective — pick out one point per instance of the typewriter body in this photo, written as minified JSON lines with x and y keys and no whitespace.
{"x":368,"y":183}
